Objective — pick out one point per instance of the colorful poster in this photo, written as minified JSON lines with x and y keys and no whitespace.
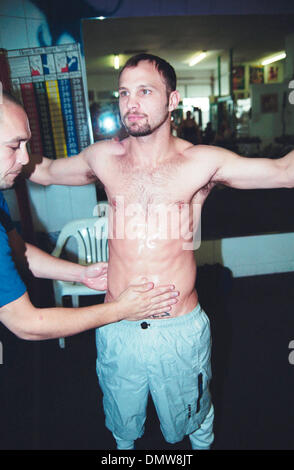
{"x":272,"y":73}
{"x":238,"y":77}
{"x":256,"y":75}
{"x":45,"y":122}
{"x":48,"y":64}
{"x":30,"y":105}
{"x":36,"y":66}
{"x":68,"y":114}
{"x":61,"y":62}
{"x":73,"y":61}
{"x":51,"y":84}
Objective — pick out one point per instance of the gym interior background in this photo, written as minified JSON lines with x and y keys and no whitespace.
{"x":50,"y":398}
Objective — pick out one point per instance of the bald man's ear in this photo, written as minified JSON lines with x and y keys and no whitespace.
{"x":174,"y":99}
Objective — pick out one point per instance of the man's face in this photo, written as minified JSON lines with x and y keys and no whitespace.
{"x":143,"y":101}
{"x":14,"y":135}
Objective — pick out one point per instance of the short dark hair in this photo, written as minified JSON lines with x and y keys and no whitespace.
{"x":163,"y":67}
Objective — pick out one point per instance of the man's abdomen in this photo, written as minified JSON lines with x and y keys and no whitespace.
{"x":163,"y":263}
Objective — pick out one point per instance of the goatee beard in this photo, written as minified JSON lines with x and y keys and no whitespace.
{"x":140,"y":132}
{"x":144,"y":130}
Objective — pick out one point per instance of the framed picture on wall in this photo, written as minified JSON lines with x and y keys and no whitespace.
{"x":269,"y":103}
{"x":256,"y":75}
{"x":273,"y":74}
{"x":238,"y":77}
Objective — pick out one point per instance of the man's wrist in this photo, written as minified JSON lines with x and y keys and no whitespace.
{"x":80,"y":273}
{"x":119,"y":312}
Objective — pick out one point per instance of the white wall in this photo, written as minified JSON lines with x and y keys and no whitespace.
{"x":267,"y":126}
{"x":250,"y":256}
{"x":194,"y":90}
{"x":53,"y":206}
{"x":289,"y":65}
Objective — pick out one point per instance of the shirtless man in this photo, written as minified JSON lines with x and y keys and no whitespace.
{"x":17,"y":312}
{"x":169,"y":356}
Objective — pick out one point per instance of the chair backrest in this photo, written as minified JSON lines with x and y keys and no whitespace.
{"x":91,"y":238}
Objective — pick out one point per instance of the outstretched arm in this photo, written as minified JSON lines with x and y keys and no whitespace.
{"x":86,"y":167}
{"x":248,"y":173}
{"x":71,"y":171}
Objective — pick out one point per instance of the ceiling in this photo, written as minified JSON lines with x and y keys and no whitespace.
{"x":177,"y":39}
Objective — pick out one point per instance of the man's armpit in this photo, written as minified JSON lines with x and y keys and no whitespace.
{"x":91,"y":177}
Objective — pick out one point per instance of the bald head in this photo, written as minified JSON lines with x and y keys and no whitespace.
{"x":7,"y":99}
{"x":14,"y":135}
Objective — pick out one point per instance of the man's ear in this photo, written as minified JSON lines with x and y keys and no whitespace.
{"x":174,"y":99}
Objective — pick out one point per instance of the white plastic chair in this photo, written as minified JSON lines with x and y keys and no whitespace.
{"x":92,"y":247}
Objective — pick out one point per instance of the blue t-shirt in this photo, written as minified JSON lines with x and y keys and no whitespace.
{"x":11,"y":284}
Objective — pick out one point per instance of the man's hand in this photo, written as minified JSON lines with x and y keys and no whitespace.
{"x":95,"y":276}
{"x":144,"y":300}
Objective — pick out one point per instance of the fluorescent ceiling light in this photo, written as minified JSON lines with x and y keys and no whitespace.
{"x":275,"y":58}
{"x":116,"y":62}
{"x":197,"y":59}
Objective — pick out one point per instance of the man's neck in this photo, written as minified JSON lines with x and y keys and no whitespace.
{"x":152,"y":149}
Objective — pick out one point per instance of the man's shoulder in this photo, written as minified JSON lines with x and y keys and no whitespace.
{"x":201,"y":161}
{"x":199,"y":150}
{"x":107,"y":148}
{"x":196,"y":153}
{"x":103,"y":152}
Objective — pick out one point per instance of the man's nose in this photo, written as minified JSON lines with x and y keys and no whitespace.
{"x":23,"y":156}
{"x":132,"y":102}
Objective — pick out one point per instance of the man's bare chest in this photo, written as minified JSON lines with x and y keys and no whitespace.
{"x":147,"y":188}
{"x":170,"y":184}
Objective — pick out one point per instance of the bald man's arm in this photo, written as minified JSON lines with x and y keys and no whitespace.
{"x":30,"y":323}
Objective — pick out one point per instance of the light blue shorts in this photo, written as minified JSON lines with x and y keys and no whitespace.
{"x":170,"y":359}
